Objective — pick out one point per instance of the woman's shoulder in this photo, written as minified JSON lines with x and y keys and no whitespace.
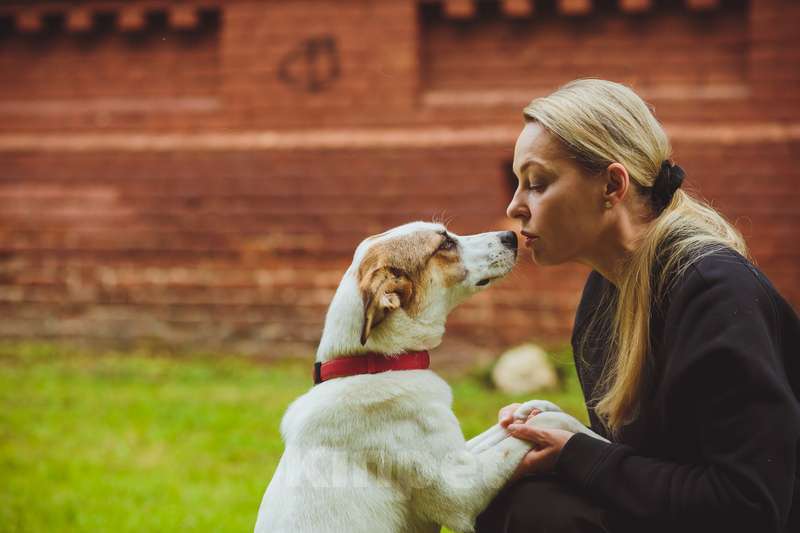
{"x":726,"y":265}
{"x":729,"y":272}
{"x":724,"y":283}
{"x":725,"y":311}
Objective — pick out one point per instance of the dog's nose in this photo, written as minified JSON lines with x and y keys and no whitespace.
{"x":509,"y":239}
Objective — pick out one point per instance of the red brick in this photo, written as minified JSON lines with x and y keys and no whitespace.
{"x":575,"y":7}
{"x":29,"y":21}
{"x":183,"y":17}
{"x":459,"y":9}
{"x":518,"y":8}
{"x":79,"y":20}
{"x":703,"y":5}
{"x":131,"y":19}
{"x":635,"y":6}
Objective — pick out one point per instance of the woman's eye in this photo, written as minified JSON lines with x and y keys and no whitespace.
{"x":535,"y":186}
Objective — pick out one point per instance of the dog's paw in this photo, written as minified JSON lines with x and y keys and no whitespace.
{"x":544,"y":406}
{"x":561,"y":420}
{"x":557,"y":420}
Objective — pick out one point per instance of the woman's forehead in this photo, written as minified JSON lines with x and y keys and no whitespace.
{"x":536,"y":147}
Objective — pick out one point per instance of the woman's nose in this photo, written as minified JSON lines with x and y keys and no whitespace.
{"x":516,"y":209}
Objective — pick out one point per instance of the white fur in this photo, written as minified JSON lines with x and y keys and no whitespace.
{"x":384,"y":452}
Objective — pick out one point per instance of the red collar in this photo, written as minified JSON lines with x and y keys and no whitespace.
{"x":369,"y":363}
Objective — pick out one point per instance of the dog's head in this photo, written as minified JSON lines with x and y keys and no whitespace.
{"x":417,"y":273}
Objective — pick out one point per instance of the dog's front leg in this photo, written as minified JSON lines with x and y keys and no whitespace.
{"x":459,"y":487}
{"x":561,"y":420}
{"x":487,"y":439}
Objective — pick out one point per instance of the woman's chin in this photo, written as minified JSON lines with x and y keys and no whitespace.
{"x":539,"y":259}
{"x":543,"y":259}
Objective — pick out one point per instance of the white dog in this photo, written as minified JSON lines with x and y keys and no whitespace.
{"x":378,"y":448}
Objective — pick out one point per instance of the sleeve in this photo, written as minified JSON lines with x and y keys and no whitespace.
{"x":723,"y":374}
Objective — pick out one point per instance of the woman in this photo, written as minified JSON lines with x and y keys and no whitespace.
{"x":687,"y":356}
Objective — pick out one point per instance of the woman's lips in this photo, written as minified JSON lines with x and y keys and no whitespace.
{"x":529,"y":238}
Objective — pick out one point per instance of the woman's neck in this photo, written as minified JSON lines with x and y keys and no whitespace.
{"x":614,"y":249}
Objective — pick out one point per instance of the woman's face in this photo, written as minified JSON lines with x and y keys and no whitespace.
{"x":559,"y":207}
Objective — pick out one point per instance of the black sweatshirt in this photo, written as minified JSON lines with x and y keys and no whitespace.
{"x":716,"y":444}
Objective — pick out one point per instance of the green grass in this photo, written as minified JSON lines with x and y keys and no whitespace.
{"x":132,"y":442}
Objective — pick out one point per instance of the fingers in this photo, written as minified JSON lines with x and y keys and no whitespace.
{"x":532,"y":458}
{"x":534,"y":412}
{"x":525,"y":432}
{"x":506,"y":414}
{"x":529,"y":464}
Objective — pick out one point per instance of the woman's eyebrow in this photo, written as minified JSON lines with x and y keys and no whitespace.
{"x":530,"y":163}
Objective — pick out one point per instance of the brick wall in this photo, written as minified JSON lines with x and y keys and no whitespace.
{"x":198,"y":174}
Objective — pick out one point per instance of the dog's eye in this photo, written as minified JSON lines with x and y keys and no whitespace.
{"x":448,"y":243}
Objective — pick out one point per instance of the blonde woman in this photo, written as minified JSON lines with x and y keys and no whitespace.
{"x":688,"y":358}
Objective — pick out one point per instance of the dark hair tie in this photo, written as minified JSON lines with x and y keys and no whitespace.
{"x":669,"y":179}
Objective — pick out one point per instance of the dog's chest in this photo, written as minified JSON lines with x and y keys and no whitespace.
{"x":366,"y":409}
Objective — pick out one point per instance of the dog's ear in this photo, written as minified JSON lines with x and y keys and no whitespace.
{"x":383,"y":290}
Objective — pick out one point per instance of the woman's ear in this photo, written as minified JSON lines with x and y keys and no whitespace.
{"x":383,"y":290}
{"x":617,"y":183}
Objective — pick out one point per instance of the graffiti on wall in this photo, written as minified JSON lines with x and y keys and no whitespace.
{"x":312,"y":65}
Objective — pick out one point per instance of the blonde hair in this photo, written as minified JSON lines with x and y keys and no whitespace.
{"x":600,"y":122}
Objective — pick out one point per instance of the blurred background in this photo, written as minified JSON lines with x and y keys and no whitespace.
{"x":193,"y":176}
{"x":198,"y":173}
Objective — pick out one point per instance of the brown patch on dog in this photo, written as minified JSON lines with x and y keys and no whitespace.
{"x":449,"y":263}
{"x":384,"y":290}
{"x":408,"y":253}
{"x":394,"y":273}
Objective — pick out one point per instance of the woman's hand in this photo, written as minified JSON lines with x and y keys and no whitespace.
{"x":547,"y":445}
{"x":506,"y":414}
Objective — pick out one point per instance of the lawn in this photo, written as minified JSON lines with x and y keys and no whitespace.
{"x":133,"y":442}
